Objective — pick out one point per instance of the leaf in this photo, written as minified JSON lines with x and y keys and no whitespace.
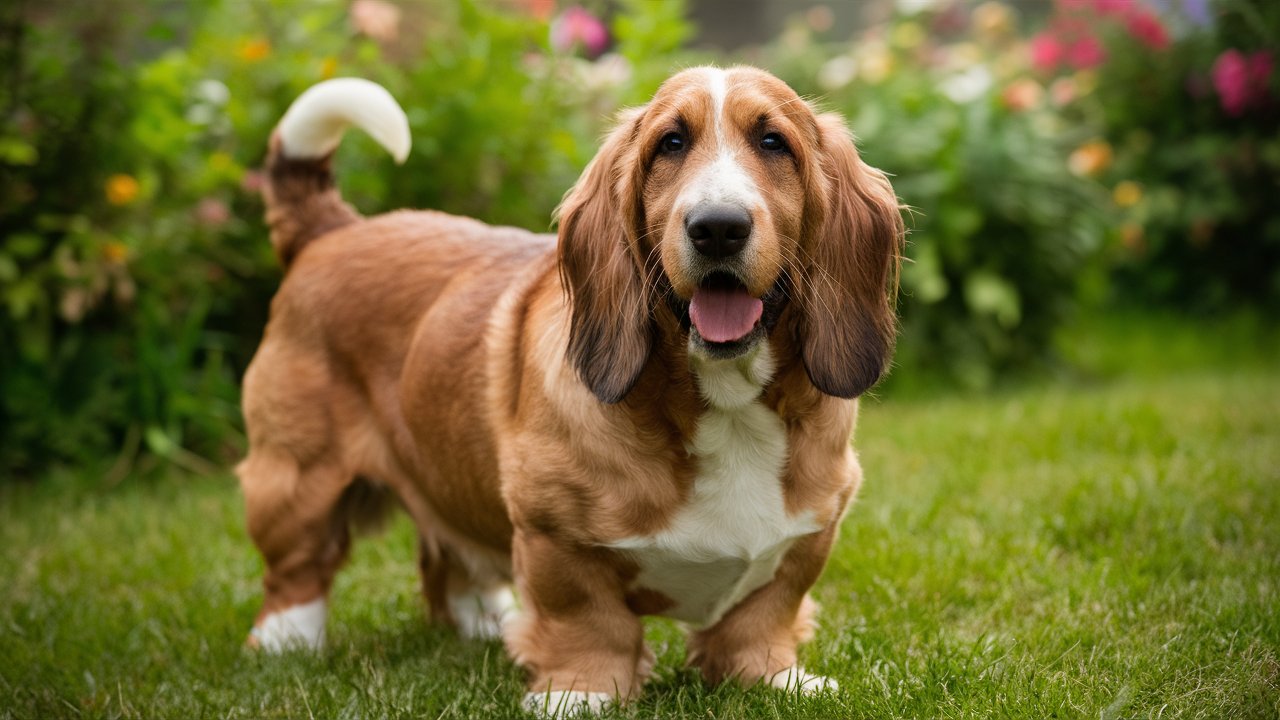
{"x":989,"y":294}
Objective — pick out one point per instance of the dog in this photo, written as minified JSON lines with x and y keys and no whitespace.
{"x":649,"y":413}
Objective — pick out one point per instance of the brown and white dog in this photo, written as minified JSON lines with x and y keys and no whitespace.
{"x":650,"y":414}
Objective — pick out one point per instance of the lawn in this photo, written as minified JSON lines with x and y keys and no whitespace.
{"x":1101,"y":543}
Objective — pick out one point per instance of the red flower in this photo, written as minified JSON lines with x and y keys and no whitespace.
{"x":1241,"y":81}
{"x":1148,"y":29}
{"x":1086,"y":52}
{"x":1046,"y":51}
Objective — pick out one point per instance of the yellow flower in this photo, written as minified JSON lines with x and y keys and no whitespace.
{"x":1090,"y":159}
{"x":992,"y":20}
{"x":1127,"y":193}
{"x":875,"y":63}
{"x":1086,"y":81}
{"x":121,"y":189}
{"x":329,"y":67}
{"x":255,"y":50}
{"x":908,"y":35}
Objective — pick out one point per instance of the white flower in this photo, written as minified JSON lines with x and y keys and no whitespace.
{"x":837,"y":72}
{"x":969,"y":85}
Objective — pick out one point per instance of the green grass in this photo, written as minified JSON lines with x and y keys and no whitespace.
{"x":1106,"y":545}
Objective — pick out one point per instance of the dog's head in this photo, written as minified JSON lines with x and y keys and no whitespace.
{"x":725,"y":200}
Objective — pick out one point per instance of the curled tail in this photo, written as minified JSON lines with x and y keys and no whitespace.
{"x":302,"y":201}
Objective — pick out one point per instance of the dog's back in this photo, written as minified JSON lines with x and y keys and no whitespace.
{"x":323,"y":395}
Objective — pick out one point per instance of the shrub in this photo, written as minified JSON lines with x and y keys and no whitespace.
{"x":1000,"y":232}
{"x":1189,"y":104}
{"x":136,"y":273}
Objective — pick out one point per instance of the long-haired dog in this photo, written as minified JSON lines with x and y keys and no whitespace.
{"x":649,"y":414}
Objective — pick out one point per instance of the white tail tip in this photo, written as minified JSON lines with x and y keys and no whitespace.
{"x":314,"y":123}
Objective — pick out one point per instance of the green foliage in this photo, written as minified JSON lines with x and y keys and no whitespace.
{"x":1199,"y":228}
{"x":1000,"y":232}
{"x":135,"y":274}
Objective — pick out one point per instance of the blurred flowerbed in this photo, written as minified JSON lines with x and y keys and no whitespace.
{"x":1086,"y":151}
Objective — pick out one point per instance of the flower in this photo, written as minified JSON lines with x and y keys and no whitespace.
{"x":1085,"y":52}
{"x":540,"y":9}
{"x":1090,"y":159}
{"x":1127,"y":193}
{"x":328,"y":67}
{"x":992,"y":20}
{"x":1046,"y":51}
{"x":837,"y":72}
{"x":967,"y":86}
{"x":1148,"y":30}
{"x":875,"y":62}
{"x":820,"y":18}
{"x":1132,"y":238}
{"x":1022,"y":94}
{"x":212,"y":212}
{"x":378,"y":19}
{"x":578,"y":28}
{"x":114,"y":252}
{"x":1121,"y":8}
{"x":908,"y":35}
{"x":121,"y":189}
{"x":1062,"y":92}
{"x":254,"y":50}
{"x":1241,"y":81}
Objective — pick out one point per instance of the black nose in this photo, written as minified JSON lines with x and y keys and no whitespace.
{"x":718,"y":231}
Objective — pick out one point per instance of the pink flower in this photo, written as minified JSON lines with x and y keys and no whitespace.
{"x":378,"y":19}
{"x":212,"y":212}
{"x":1113,"y":7}
{"x":1086,"y":52}
{"x":1241,"y":81}
{"x":1148,"y":29}
{"x":1046,"y":51}
{"x":576,"y":27}
{"x":1073,"y":5}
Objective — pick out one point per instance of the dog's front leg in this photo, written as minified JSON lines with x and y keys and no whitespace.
{"x":756,"y":640}
{"x":575,"y":634}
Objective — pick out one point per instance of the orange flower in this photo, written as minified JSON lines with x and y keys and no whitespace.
{"x":1090,"y":159}
{"x":114,"y":251}
{"x":255,"y":50}
{"x":121,"y":189}
{"x":1022,"y":95}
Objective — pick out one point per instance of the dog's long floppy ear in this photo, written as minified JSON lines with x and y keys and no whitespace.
{"x":848,"y":322}
{"x":611,"y":326}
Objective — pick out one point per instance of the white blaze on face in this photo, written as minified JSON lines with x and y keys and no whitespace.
{"x":723,"y":181}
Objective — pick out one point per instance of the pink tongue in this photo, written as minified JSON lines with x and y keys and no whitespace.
{"x":724,"y":315}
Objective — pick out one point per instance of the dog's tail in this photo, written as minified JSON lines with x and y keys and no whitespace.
{"x":302,"y":201}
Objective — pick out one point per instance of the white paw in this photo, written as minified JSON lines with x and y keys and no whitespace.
{"x":480,"y":615}
{"x":795,"y":679}
{"x":565,"y":703}
{"x":298,"y":627}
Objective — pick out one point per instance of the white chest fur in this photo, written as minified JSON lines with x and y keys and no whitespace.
{"x":729,"y":537}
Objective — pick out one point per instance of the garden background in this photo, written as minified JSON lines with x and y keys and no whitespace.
{"x":1094,"y":262}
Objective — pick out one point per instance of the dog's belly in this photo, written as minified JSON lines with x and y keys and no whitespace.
{"x":701,"y":591}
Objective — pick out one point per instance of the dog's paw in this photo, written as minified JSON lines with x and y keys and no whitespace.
{"x":796,"y":679}
{"x":300,"y":627}
{"x":481,"y":615}
{"x":566,"y":703}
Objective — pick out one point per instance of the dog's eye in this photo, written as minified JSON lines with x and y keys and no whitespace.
{"x":671,"y":143}
{"x":773,"y":142}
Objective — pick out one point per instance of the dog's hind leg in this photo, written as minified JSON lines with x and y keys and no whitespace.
{"x":458,"y":596}
{"x":296,"y":517}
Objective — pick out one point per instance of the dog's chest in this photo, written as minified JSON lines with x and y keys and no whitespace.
{"x":729,"y":537}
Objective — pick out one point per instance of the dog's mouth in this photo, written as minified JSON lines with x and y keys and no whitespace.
{"x":721,"y":309}
{"x":724,"y":318}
